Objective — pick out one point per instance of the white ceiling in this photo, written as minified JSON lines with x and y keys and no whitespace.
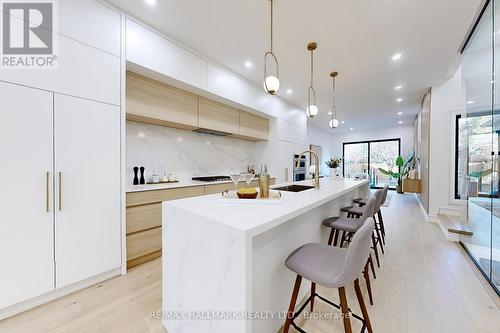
{"x":355,"y":38}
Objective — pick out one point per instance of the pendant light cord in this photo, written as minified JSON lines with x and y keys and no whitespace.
{"x":334,"y":113}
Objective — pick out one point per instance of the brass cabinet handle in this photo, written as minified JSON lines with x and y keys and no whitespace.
{"x":47,"y":192}
{"x":60,"y":191}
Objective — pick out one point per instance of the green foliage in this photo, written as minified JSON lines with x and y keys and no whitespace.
{"x":480,"y":174}
{"x":334,"y":163}
{"x":404,"y":167}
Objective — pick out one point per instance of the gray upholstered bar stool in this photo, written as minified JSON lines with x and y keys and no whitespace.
{"x":349,"y":227}
{"x":380,"y":222}
{"x":357,"y":211}
{"x":343,"y":226}
{"x":331,"y":267}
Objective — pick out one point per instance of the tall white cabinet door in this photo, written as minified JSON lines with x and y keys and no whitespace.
{"x":87,"y":165}
{"x":26,"y":203}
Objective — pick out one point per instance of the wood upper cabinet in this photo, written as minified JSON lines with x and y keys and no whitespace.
{"x":218,"y":117}
{"x":253,"y":127}
{"x":154,"y":102}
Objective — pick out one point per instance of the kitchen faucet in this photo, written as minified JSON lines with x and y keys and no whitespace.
{"x":316,"y":170}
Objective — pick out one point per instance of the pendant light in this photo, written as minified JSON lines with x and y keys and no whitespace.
{"x":334,"y":123}
{"x":312,"y":109}
{"x":271,"y":80}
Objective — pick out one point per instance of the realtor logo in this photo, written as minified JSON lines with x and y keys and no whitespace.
{"x":27,"y":34}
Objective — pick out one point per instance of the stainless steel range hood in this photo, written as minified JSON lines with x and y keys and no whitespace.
{"x":211,"y":132}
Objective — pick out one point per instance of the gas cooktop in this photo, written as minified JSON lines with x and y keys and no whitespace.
{"x":210,"y":179}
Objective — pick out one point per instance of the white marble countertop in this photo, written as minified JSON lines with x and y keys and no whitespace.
{"x":165,"y":186}
{"x":255,"y":219}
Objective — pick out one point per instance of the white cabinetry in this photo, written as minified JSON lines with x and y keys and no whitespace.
{"x":87,"y":164}
{"x":60,"y":194}
{"x":26,"y":196}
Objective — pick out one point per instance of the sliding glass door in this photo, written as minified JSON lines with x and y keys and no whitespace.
{"x":367,"y":157}
{"x":478,"y":131}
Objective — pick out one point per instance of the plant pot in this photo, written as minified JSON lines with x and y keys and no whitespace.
{"x":399,"y":189}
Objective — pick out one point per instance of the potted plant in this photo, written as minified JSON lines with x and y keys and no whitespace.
{"x":404,"y":167}
{"x":334,"y":164}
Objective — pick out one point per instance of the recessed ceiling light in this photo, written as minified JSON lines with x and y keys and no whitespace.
{"x":471,"y":102}
{"x":398,"y":87}
{"x":351,"y":129}
{"x":289,"y":91}
{"x":399,"y":100}
{"x":150,"y":2}
{"x":400,"y":122}
{"x":400,"y":113}
{"x":343,"y":122}
{"x":330,"y":112}
{"x":248,"y":64}
{"x":397,"y":56}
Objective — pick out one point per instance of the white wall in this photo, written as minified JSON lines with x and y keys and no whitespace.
{"x":446,"y":102}
{"x":405,"y":133}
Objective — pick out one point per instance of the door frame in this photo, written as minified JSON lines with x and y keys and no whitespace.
{"x":369,"y":142}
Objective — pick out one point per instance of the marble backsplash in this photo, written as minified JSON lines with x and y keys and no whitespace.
{"x":185,"y":153}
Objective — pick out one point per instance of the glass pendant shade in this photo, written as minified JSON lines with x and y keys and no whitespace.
{"x":271,"y":84}
{"x":312,"y":110}
{"x":334,"y":123}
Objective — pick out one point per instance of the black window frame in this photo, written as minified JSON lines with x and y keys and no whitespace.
{"x":368,"y":142}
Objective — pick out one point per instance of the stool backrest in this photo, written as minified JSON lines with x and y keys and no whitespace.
{"x":357,"y":253}
{"x":379,"y":194}
{"x":384,"y":197}
{"x":369,"y":208}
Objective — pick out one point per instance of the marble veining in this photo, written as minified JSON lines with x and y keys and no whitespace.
{"x":185,"y":153}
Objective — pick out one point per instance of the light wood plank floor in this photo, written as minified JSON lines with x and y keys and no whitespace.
{"x":425,"y":284}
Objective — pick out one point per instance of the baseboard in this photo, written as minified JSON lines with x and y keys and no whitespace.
{"x":53,"y":295}
{"x":430,"y":218}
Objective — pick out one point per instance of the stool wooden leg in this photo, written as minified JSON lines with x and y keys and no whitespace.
{"x":368,"y":285}
{"x":336,"y":239}
{"x":370,"y":260}
{"x":330,"y":239}
{"x":378,"y":226}
{"x":374,"y":242}
{"x":342,"y":239}
{"x":313,"y":291}
{"x":381,"y":221}
{"x":379,"y":240}
{"x":363,"y":306}
{"x":345,"y":310}
{"x":293,"y":300}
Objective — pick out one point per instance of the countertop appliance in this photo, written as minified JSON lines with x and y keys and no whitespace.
{"x":299,"y":173}
{"x":211,"y":179}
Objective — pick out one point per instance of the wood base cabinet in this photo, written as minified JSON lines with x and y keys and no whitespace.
{"x":60,"y":197}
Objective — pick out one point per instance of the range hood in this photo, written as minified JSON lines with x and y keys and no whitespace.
{"x":211,"y":132}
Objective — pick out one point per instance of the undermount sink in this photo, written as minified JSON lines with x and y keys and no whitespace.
{"x":293,"y":188}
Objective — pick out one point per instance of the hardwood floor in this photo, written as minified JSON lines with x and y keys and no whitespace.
{"x":425,"y":284}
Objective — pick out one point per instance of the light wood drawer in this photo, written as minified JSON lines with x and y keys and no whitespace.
{"x":147,"y":197}
{"x":143,"y":243}
{"x":143,"y":217}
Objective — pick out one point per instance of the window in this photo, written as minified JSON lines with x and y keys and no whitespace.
{"x":368,"y":156}
{"x":473,"y":137}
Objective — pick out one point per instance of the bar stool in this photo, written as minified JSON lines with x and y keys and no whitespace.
{"x":362,"y":202}
{"x":357,"y":212}
{"x":349,"y":227}
{"x":331,"y":267}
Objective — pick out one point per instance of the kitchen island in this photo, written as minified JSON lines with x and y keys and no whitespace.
{"x":223,"y":263}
